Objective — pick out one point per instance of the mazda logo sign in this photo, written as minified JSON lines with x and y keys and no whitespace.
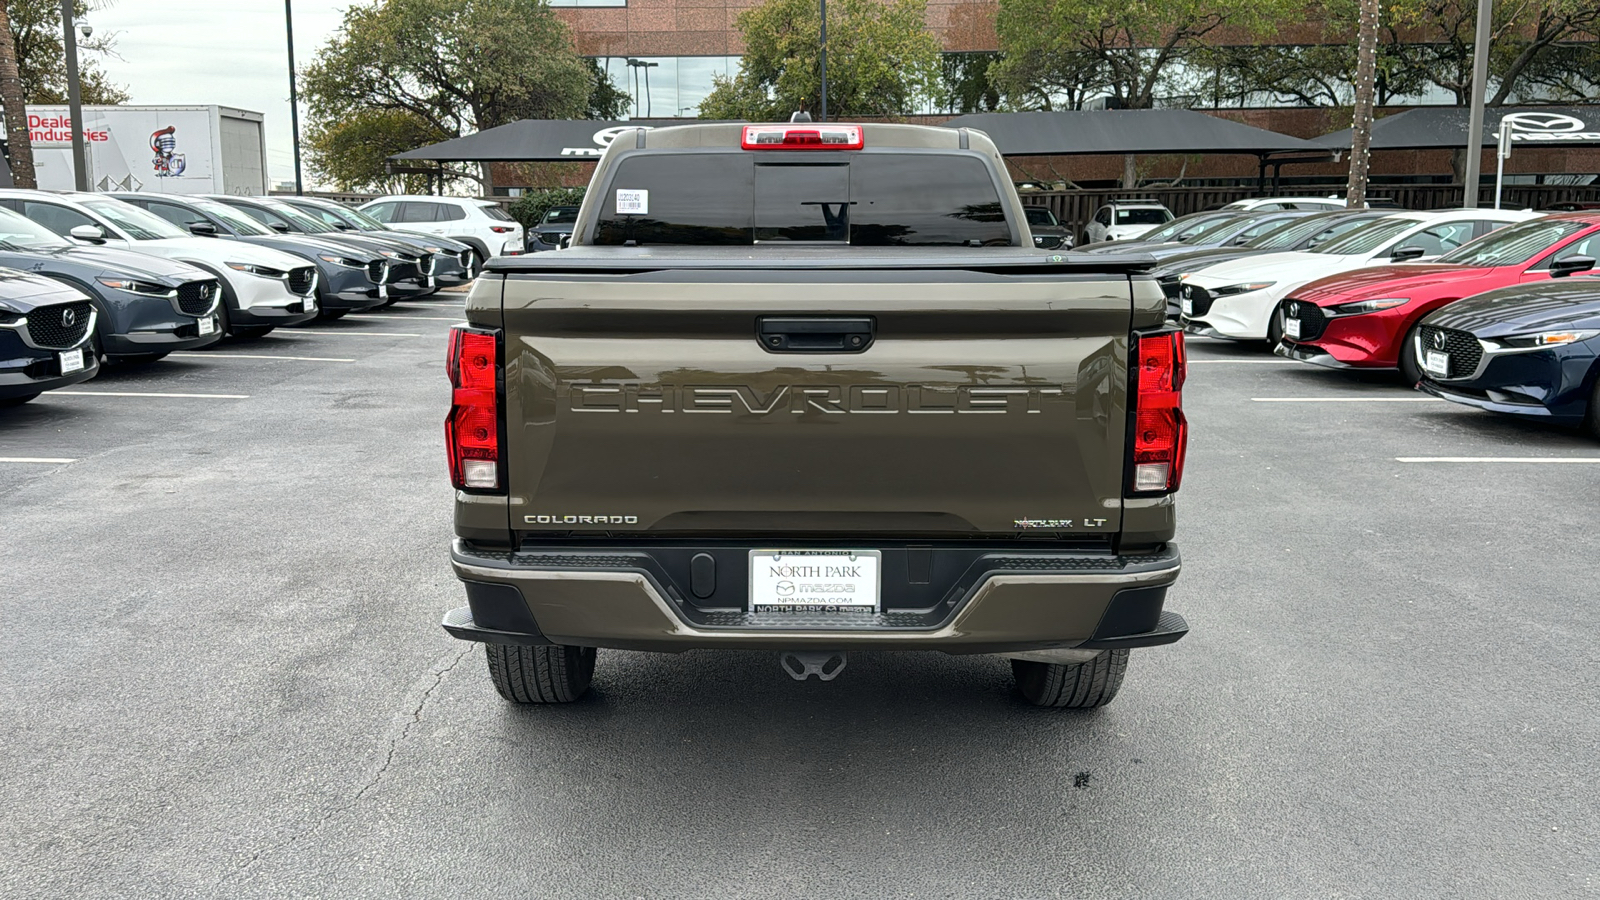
{"x":1188,"y":293}
{"x":1438,"y":340}
{"x":69,"y":317}
{"x":1294,"y":310}
{"x":1546,"y":126}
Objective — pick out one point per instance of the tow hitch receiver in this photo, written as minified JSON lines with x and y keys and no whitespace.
{"x":802,"y":664}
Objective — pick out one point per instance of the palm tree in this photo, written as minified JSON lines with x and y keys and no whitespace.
{"x":16,"y":109}
{"x":1361,"y":129}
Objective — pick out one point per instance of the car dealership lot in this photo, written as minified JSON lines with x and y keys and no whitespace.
{"x":225,"y":677}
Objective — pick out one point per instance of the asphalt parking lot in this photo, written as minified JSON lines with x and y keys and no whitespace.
{"x":224,"y":677}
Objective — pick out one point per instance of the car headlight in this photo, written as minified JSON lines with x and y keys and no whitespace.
{"x":434,"y":249}
{"x":1548,"y":338}
{"x":137,"y":287}
{"x":253,"y":269}
{"x":1366,"y":306}
{"x":342,"y":261}
{"x":390,"y":254}
{"x":1246,"y":288}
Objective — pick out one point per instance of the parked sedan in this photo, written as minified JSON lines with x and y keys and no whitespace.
{"x":1369,"y":318}
{"x":454,"y":262}
{"x":1237,"y":299}
{"x":1181,"y":230}
{"x":45,"y":330}
{"x":1048,"y":232}
{"x":145,"y":306}
{"x":1529,"y":350}
{"x":1233,"y":232}
{"x":261,"y":288}
{"x":351,"y":277}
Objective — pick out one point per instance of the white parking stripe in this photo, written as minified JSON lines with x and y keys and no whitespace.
{"x":1242,"y":362}
{"x":259,"y":356}
{"x":144,"y":394}
{"x":286,"y":333}
{"x":1535,"y":460}
{"x":419,"y":318}
{"x":34,"y":459}
{"x":1346,"y":400}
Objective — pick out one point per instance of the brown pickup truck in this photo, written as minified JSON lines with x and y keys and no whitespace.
{"x":810,"y":387}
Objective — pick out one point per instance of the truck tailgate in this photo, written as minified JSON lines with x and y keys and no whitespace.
{"x":985,"y":401}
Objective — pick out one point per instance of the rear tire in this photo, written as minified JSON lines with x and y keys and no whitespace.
{"x":1410,"y":368}
{"x":16,"y":401}
{"x":1084,"y":686}
{"x":549,"y":674}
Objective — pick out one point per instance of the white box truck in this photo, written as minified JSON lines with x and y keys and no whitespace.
{"x":160,"y":149}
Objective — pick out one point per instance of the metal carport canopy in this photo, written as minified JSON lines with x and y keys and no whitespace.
{"x":1129,"y":131}
{"x":535,"y":140}
{"x":1445,"y":128}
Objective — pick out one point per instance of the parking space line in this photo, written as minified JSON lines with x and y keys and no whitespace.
{"x":352,"y":333}
{"x":419,"y":318}
{"x":49,"y":460}
{"x":1242,"y":362}
{"x":148,"y":394}
{"x":1533,"y":460}
{"x":1346,"y":400}
{"x":260,"y":356}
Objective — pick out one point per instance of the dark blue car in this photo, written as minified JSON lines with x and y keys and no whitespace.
{"x":1529,"y":350}
{"x":146,"y":306}
{"x":45,"y":329}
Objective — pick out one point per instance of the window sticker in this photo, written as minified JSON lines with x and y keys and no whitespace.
{"x":633,"y":203}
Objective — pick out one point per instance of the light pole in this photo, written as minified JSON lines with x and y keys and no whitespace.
{"x":822,"y":115}
{"x":69,"y":37}
{"x":1480,"y":80}
{"x":294,"y":96}
{"x":636,"y":65}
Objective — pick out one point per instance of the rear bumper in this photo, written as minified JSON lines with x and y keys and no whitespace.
{"x":621,"y":600}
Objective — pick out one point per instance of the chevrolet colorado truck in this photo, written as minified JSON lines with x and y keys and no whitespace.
{"x":810,"y":388}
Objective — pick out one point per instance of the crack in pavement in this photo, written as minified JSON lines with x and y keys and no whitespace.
{"x":397,"y":735}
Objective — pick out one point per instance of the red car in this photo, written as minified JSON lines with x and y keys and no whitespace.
{"x":1368,"y":318}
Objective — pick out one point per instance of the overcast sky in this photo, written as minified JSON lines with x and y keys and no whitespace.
{"x":226,"y":52}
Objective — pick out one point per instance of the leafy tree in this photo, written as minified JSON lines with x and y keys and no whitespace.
{"x":1059,"y":53}
{"x":400,"y":73}
{"x":964,"y":84}
{"x":1433,"y":40}
{"x":19,"y":146}
{"x":881,"y":60}
{"x":42,"y":58}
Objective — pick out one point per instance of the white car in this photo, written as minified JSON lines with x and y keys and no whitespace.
{"x":1125,"y":220}
{"x":482,"y":223}
{"x":262,"y":288}
{"x":1267,"y":204}
{"x":1235,"y":299}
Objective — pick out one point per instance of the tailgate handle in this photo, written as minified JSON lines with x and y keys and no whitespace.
{"x":813,"y":334}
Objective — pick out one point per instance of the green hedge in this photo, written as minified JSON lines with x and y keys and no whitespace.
{"x":531,"y":207}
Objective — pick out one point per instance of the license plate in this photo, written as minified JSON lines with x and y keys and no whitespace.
{"x":383,"y":292}
{"x":814,"y":580}
{"x":71,"y":361}
{"x":1291,"y":328}
{"x":207,"y":325}
{"x":311,"y":304}
{"x":1436,"y":363}
{"x":1187,"y":305}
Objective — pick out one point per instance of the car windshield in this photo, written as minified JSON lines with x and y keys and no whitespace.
{"x":1199,"y":230}
{"x":566,"y":215}
{"x":1515,"y":245}
{"x":1368,"y":237}
{"x":1183,"y":224}
{"x":140,"y":225}
{"x":1228,"y":229}
{"x":1287,"y":234}
{"x":1038,"y":215}
{"x":1142,"y":215}
{"x":234,"y":219}
{"x":22,"y":233}
{"x":296,"y":218}
{"x":361,"y":220}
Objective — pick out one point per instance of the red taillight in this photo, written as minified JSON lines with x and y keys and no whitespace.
{"x":1160,"y":432}
{"x":500,"y":229}
{"x":472,"y":430}
{"x":810,"y":136}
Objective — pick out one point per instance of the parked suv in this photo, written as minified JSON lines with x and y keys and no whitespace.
{"x":453,"y":262}
{"x":45,"y":329}
{"x":1048,"y":232}
{"x":1125,"y":220}
{"x":482,"y":223}
{"x":554,"y":227}
{"x":261,"y":288}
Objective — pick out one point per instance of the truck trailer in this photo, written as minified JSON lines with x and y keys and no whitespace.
{"x":158,"y":149}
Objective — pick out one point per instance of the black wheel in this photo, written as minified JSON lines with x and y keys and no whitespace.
{"x":1275,"y":329}
{"x":16,"y":401}
{"x":251,"y":332}
{"x":1410,"y":367}
{"x":1083,"y":686}
{"x":553,"y":674}
{"x":331,"y":314}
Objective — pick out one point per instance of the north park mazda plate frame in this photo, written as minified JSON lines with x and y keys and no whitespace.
{"x":816,"y":580}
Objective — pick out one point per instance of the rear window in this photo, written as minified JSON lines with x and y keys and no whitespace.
{"x":866,"y":199}
{"x":1142,"y":216}
{"x":496,"y":211}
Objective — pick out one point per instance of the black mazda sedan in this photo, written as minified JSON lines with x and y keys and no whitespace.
{"x":45,"y":331}
{"x":1529,"y":350}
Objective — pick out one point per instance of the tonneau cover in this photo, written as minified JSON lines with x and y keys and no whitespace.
{"x":790,"y":256}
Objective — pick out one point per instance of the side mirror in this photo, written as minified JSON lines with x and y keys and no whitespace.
{"x":1572,"y":265}
{"x":280,"y":227}
{"x":566,"y":241}
{"x":344,"y":226}
{"x":92,"y":234}
{"x":205,"y":229}
{"x":1402,"y":254}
